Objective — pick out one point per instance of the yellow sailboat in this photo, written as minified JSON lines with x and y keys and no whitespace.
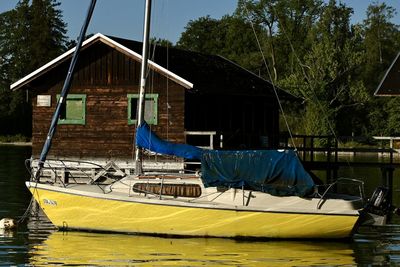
{"x":221,"y":214}
{"x":264,"y":194}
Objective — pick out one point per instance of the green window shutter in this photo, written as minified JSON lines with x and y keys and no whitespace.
{"x":150,"y":108}
{"x":74,"y":111}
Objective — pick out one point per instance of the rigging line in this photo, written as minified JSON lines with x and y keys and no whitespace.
{"x":32,"y":201}
{"x":272,"y":82}
{"x":164,"y":10}
{"x":151,"y":74}
{"x":302,"y":66}
{"x":168,"y":105}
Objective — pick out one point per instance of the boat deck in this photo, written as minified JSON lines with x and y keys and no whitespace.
{"x":231,"y":199}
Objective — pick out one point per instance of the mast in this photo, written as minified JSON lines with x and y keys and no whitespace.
{"x":143,"y":74}
{"x":64,"y":92}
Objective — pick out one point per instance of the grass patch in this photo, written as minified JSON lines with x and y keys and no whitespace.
{"x":355,"y":144}
{"x":14,"y":138}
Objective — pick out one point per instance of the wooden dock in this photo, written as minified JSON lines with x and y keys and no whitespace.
{"x":310,"y":155}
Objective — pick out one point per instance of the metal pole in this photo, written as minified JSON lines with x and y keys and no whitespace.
{"x":143,"y":74}
{"x":64,"y":91}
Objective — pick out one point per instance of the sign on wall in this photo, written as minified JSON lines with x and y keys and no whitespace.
{"x":43,"y":101}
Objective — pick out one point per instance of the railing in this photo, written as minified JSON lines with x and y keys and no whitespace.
{"x":308,"y":151}
{"x":211,"y":135}
{"x":307,"y":148}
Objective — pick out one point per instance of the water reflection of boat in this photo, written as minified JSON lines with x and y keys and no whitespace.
{"x":92,"y":249}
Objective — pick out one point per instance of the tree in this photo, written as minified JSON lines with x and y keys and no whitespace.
{"x":327,"y":74}
{"x":30,"y":35}
{"x":230,"y":37}
{"x":381,"y":44}
{"x":48,"y":39}
{"x":263,"y":13}
{"x":313,"y":51}
{"x":14,"y":43}
{"x":161,"y":42}
{"x":285,"y":25}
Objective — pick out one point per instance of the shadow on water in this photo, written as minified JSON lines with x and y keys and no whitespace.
{"x":13,"y":174}
{"x":37,"y":243}
{"x":378,"y":245}
{"x":14,"y":198}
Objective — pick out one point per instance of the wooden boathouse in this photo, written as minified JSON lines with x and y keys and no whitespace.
{"x":191,"y":97}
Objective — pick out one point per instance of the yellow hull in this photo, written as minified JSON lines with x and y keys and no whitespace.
{"x":69,"y":210}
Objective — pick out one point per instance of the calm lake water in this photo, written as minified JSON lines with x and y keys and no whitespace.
{"x":37,"y":243}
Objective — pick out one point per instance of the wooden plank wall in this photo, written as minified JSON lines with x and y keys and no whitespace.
{"x":106,"y":76}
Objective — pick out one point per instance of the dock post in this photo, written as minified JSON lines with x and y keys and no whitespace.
{"x":312,"y":149}
{"x":328,"y":159}
{"x":335,"y":169}
{"x":387,"y":180}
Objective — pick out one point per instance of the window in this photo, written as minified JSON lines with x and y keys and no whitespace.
{"x":150,"y":108}
{"x":74,"y":110}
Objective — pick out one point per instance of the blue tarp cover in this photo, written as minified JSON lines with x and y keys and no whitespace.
{"x":146,"y":139}
{"x":279,"y":173}
{"x":275,"y":172}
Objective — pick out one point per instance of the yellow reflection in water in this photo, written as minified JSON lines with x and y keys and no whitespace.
{"x":75,"y":248}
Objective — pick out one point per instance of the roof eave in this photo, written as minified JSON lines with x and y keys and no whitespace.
{"x":376,"y":93}
{"x":50,"y":65}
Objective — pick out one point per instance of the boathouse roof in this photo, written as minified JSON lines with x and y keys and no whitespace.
{"x":86,"y":44}
{"x":206,"y":74}
{"x":390,"y":84}
{"x":210,"y":73}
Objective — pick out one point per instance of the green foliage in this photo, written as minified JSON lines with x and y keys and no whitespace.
{"x":19,"y":138}
{"x":286,"y":25}
{"x":393,"y":122}
{"x":230,"y":37}
{"x":196,"y":36}
{"x":309,"y":46}
{"x":312,"y":50}
{"x":31,"y":34}
{"x":161,"y":42}
{"x":332,"y":66}
{"x":381,"y":42}
{"x":47,"y":31}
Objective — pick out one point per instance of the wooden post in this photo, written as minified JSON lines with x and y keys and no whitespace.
{"x":335,"y":170}
{"x":328,"y":159}
{"x":312,"y":149}
{"x":387,"y":180}
{"x":391,"y":151}
{"x":65,"y":176}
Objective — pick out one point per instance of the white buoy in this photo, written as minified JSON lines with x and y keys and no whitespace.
{"x":7,"y":223}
